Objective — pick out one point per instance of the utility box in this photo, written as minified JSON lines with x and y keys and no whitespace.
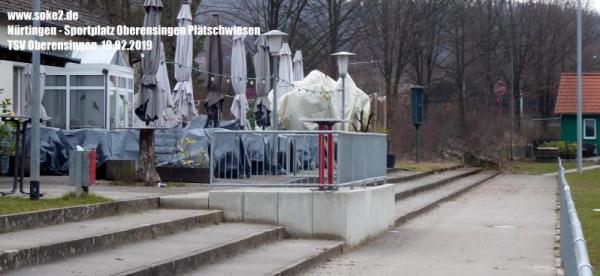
{"x":416,"y":99}
{"x":82,"y":170}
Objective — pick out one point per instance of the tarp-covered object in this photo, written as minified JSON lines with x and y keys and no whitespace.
{"x":357,"y":102}
{"x":318,"y":96}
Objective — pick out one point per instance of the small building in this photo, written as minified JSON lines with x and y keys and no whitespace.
{"x":81,"y":89}
{"x":566,"y":107}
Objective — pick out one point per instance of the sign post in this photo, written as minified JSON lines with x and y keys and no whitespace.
{"x":416,"y":99}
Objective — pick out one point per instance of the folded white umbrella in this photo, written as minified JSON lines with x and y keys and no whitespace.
{"x":298,"y":66}
{"x":183,"y":91}
{"x":238,"y":80}
{"x":286,"y":72}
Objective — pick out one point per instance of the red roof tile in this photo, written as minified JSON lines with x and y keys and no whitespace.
{"x":566,"y":102}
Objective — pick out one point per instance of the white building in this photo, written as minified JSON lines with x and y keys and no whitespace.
{"x":87,"y":89}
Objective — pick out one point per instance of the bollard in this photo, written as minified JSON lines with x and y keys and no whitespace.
{"x":82,"y":170}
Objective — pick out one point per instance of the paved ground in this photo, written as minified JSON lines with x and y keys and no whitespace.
{"x":56,"y":186}
{"x":504,"y":227}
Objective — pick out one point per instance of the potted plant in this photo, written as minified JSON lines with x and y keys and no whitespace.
{"x":190,"y":167}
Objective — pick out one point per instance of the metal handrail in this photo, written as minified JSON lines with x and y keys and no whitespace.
{"x":573,"y":250}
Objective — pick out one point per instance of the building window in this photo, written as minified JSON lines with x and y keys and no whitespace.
{"x":17,"y":87}
{"x":55,"y":103}
{"x":87,"y":80}
{"x":87,"y":108}
{"x":589,"y":129}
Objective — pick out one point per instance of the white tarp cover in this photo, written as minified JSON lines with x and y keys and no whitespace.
{"x":319,"y":96}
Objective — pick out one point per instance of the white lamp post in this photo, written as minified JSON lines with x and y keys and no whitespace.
{"x":274,"y":41}
{"x":342,"y":62}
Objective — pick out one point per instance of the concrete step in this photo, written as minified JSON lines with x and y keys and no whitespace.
{"x":286,"y":257}
{"x":50,"y":243}
{"x":408,"y":208}
{"x":167,"y":255}
{"x":410,"y":188}
{"x":399,"y":175}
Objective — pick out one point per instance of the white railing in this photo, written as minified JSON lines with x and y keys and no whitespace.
{"x":573,"y":251}
{"x":291,"y":158}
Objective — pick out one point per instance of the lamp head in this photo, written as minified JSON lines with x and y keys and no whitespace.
{"x":342,"y":62}
{"x":274,"y":40}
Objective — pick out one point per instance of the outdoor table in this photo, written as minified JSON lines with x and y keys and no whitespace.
{"x":325,"y":125}
{"x":19,"y":169}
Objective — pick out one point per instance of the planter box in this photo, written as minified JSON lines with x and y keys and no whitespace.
{"x":546,"y":153}
{"x":182,"y":174}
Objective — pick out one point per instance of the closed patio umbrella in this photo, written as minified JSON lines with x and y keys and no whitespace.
{"x":298,"y":66}
{"x":167,"y":118}
{"x":286,"y":71}
{"x":27,"y":87}
{"x":148,"y":109}
{"x":214,"y":100}
{"x":238,"y":80}
{"x":184,"y":94}
{"x":262,"y":70}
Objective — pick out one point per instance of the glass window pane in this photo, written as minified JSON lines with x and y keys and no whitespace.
{"x":16,"y":88}
{"x":113,"y":111}
{"x":130,"y":109}
{"x":130,"y":83}
{"x":590,"y":128}
{"x":55,"y":103}
{"x":122,"y":82}
{"x":82,"y":80}
{"x":56,"y":80}
{"x":112,"y":81}
{"x":87,"y":108}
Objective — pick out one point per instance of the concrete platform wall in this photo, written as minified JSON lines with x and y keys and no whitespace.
{"x":352,"y":215}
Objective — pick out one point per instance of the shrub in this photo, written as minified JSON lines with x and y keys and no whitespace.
{"x":564,"y":148}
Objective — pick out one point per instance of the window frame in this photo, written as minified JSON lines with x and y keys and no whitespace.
{"x":585,"y":136}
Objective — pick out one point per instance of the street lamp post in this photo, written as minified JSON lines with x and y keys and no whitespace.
{"x":34,"y":183}
{"x":342,"y":62}
{"x":579,"y":92}
{"x":274,"y":41}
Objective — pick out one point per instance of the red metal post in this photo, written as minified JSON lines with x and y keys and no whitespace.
{"x":321,"y":154}
{"x":330,"y":159}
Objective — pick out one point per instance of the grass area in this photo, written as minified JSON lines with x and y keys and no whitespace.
{"x":12,"y":205}
{"x":585,"y":189}
{"x":424,"y":166}
{"x":531,"y":167}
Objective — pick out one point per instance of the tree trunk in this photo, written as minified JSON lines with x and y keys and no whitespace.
{"x":146,"y":171}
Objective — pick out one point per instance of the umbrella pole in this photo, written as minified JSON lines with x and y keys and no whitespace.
{"x":275,"y":118}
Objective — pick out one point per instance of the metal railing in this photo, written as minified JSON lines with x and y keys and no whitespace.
{"x":291,"y":158}
{"x":573,"y":251}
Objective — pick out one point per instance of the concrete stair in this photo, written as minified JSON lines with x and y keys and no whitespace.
{"x":158,"y":242}
{"x":406,"y":189}
{"x":408,"y":208}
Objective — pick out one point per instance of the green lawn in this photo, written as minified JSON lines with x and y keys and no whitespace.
{"x":531,"y":167}
{"x":12,"y":205}
{"x":585,"y":189}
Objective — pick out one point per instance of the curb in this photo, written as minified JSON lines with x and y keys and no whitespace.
{"x":52,"y":252}
{"x":408,"y":216}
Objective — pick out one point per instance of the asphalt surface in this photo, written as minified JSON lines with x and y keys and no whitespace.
{"x":503,"y":227}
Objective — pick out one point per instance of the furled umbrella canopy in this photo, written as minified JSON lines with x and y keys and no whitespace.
{"x":286,"y":71}
{"x":184,"y":94}
{"x":298,"y":66}
{"x":167,"y":118}
{"x":263,"y":82}
{"x":27,"y":77}
{"x":214,"y":100}
{"x":148,"y":109}
{"x":238,"y":79}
